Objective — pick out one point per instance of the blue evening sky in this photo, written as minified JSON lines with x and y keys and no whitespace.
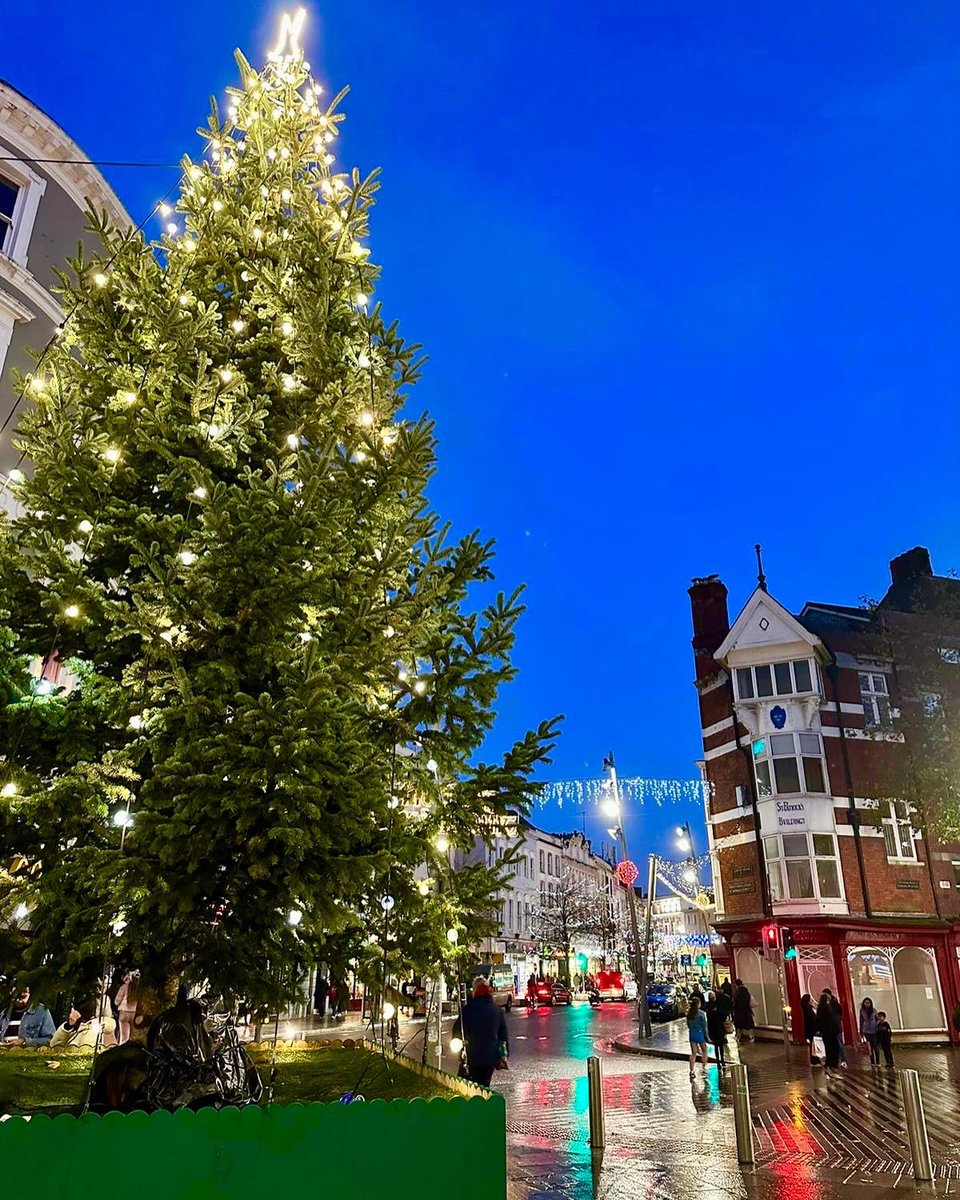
{"x":687,"y":274}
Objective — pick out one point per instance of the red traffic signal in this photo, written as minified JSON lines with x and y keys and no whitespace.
{"x":771,"y":938}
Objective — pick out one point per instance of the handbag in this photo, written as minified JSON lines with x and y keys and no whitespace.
{"x":818,"y":1050}
{"x":728,"y":1025}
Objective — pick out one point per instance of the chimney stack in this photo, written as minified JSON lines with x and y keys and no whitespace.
{"x":910,"y":567}
{"x":711,"y":623}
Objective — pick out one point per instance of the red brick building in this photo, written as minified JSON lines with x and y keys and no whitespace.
{"x":805,"y":736}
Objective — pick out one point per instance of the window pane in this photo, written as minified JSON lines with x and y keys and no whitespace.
{"x":787,"y":774}
{"x":879,"y":684}
{"x":763,"y":779}
{"x":764,"y":686}
{"x":795,"y":845}
{"x":810,"y":743}
{"x":771,"y":848}
{"x":823,"y":844}
{"x":890,"y":840}
{"x":813,"y":775}
{"x":956,"y":873}
{"x":801,"y":673}
{"x":799,"y":879}
{"x":775,"y":878}
{"x":828,"y":878}
{"x":781,"y":673}
{"x":8,"y":198}
{"x":744,"y":683}
{"x":781,"y":743}
{"x":908,"y":848}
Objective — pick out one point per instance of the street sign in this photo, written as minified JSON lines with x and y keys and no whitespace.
{"x":686,"y":960}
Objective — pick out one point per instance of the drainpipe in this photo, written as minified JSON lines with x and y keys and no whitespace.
{"x":834,"y":673}
{"x":752,"y":785}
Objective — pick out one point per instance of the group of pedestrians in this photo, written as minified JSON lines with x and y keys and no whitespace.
{"x":28,"y":1022}
{"x":709,"y":1020}
{"x":334,"y":993}
{"x":823,"y":1031}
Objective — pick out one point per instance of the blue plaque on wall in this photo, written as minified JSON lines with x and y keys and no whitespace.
{"x":778,"y":716}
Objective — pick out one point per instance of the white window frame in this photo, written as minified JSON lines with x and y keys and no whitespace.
{"x":813,"y":690}
{"x":874,"y":699}
{"x":31,"y":187}
{"x":950,"y":654}
{"x":893,"y":832}
{"x":768,"y":789}
{"x":777,"y":861}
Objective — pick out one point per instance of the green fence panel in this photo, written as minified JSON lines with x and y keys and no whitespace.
{"x":381,"y":1150}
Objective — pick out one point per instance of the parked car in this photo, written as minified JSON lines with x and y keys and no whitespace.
{"x":551,"y":992}
{"x":666,"y":1001}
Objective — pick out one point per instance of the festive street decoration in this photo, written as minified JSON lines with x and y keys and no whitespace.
{"x":633,"y":791}
{"x":627,"y":872}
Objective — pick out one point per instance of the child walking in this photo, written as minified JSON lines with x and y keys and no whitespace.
{"x":885,"y":1038}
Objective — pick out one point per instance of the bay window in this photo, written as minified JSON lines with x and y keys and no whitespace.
{"x":780,"y":679}
{"x":8,"y":202}
{"x":802,"y":866}
{"x":789,"y":763}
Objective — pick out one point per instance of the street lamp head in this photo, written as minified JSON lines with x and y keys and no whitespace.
{"x":683,"y":843}
{"x":681,"y":831}
{"x":610,"y":808}
{"x":614,"y":831}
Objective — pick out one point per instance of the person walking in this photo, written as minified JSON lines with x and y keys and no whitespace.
{"x":482,"y":1027}
{"x":321,"y":990}
{"x":743,"y":1021}
{"x":885,"y":1038}
{"x":339,"y":995}
{"x":125,"y":1001}
{"x":830,"y":1025}
{"x":718,"y":1010}
{"x":868,"y":1029}
{"x":697,"y":1032}
{"x":810,"y":1026}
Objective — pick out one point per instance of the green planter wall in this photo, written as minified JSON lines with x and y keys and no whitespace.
{"x":381,"y":1150}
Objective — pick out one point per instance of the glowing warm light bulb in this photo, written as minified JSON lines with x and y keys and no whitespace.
{"x":360,"y":456}
{"x":189,"y":244}
{"x":286,"y":328}
{"x":16,"y":475}
{"x":21,"y":912}
{"x":286,"y":194}
{"x":366,"y":419}
{"x":293,"y":441}
{"x":393,"y":803}
{"x":360,"y":299}
{"x":214,"y":430}
{"x":690,"y":875}
{"x":284,"y":152}
{"x":306,"y":636}
{"x":85,"y":526}
{"x":72,"y":611}
{"x":289,"y":383}
{"x":420,"y":687}
{"x":187,"y":557}
{"x":37,"y":384}
{"x":432,"y":765}
{"x":453,"y":936}
{"x":402,"y":674}
{"x":135,"y":722}
{"x":387,"y":903}
{"x":363,"y":361}
{"x":129,"y":397}
{"x":217,"y":206}
{"x":389,"y":631}
{"x":165,"y":210}
{"x":195,"y":172}
{"x":238,"y":326}
{"x":442,"y":842}
{"x":389,"y":1011}
{"x":423,"y":888}
{"x":294,"y":917}
{"x":100,"y":279}
{"x":8,"y":789}
{"x":172,"y":227}
{"x":185,"y":299}
{"x":112,"y":454}
{"x":200,"y":492}
{"x":225,"y":374}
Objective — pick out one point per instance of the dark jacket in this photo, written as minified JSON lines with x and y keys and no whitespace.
{"x":742,"y":1009}
{"x":483,"y":1028}
{"x":829,"y":1017}
{"x":811,"y":1026}
{"x":717,"y":1012}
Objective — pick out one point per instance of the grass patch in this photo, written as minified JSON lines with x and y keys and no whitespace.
{"x":27,"y":1084}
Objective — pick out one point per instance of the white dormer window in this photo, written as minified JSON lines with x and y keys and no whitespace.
{"x":777,"y":679}
{"x":898,"y":831}
{"x":789,"y":764}
{"x":875,"y":696}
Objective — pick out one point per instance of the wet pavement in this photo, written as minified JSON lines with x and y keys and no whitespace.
{"x":668,"y":1136}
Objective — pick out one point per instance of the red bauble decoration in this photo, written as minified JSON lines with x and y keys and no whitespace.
{"x":627,"y":872}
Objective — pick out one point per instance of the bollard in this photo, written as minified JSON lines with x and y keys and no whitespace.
{"x":916,"y":1125}
{"x":742,"y":1120}
{"x":598,"y":1125}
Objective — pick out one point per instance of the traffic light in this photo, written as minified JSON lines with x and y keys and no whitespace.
{"x":582,"y":961}
{"x":787,"y":943}
{"x":701,"y":960}
{"x":770,"y":940}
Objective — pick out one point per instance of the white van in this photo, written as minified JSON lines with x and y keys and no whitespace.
{"x":500,"y":978}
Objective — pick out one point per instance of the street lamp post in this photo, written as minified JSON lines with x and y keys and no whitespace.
{"x":685,"y":842}
{"x":639,"y":953}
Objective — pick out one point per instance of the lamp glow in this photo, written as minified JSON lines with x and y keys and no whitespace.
{"x":456,"y":1045}
{"x":85,"y":526}
{"x":112,"y":454}
{"x":8,"y":790}
{"x":72,"y":611}
{"x":389,"y":1011}
{"x":442,"y":842}
{"x":187,"y":557}
{"x":453,"y":936}
{"x":294,"y":917}
{"x":100,"y":279}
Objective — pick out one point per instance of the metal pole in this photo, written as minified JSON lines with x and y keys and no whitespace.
{"x":647,"y":941}
{"x":639,"y":955}
{"x":916,"y":1125}
{"x":742,"y":1120}
{"x":688,"y":832}
{"x":598,"y":1124}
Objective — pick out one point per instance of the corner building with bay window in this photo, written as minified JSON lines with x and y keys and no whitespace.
{"x":799,"y":717}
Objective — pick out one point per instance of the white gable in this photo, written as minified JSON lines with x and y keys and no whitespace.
{"x":763,"y":627}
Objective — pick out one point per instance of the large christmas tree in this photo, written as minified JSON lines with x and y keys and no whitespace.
{"x":278,"y":692}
